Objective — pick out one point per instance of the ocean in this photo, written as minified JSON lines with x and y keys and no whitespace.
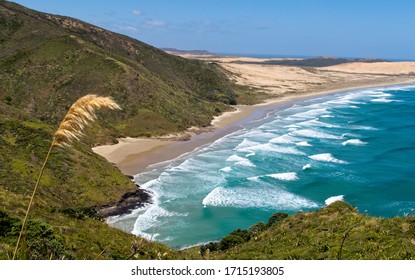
{"x":357,"y":146}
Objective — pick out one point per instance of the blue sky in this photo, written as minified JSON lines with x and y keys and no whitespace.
{"x":353,"y":28}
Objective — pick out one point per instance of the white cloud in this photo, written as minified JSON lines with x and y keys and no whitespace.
{"x":155,"y":23}
{"x":129,"y":28}
{"x":137,"y":12}
{"x":124,"y":27}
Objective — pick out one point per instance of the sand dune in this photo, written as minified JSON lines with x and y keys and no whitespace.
{"x":389,"y":68}
{"x":278,"y":80}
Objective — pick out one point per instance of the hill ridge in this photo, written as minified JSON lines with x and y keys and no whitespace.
{"x":49,"y":61}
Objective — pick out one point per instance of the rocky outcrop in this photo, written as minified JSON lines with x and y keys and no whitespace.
{"x":128,"y":202}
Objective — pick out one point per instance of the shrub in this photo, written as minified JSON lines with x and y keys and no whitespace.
{"x":39,"y":241}
{"x":230,"y":241}
{"x":80,"y":213}
{"x":232,"y":101}
{"x":6,"y":223}
{"x":211,"y":246}
{"x":42,"y":243}
{"x":276,"y":218}
{"x":256,"y":228}
{"x":8,"y":100}
{"x":236,"y":237}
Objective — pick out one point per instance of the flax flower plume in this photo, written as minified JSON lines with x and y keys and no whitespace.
{"x":81,"y":114}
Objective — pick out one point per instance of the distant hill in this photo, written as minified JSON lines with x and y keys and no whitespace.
{"x":321,"y":61}
{"x":192,"y":52}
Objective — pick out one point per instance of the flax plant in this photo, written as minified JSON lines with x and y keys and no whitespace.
{"x":80,"y":115}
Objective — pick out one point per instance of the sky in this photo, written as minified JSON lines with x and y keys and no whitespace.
{"x":352,"y":28}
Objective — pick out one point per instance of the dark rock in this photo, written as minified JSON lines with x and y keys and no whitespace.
{"x":128,"y":202}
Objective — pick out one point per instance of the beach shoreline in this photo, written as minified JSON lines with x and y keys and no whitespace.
{"x":135,"y":155}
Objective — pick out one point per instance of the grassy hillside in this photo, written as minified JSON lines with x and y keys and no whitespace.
{"x":337,"y":231}
{"x":65,"y":223}
{"x":49,"y":61}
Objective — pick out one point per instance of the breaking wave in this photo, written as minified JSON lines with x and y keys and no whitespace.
{"x":254,"y":198}
{"x":354,"y":142}
{"x":327,"y":157}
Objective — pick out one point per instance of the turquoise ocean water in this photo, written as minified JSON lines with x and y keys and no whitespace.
{"x":358,"y":146}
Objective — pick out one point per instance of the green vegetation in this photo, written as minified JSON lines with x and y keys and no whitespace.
{"x":47,"y":62}
{"x":50,"y":61}
{"x":75,"y":181}
{"x":333,"y":232}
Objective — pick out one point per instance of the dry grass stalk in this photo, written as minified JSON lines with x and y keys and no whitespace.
{"x":81,"y":114}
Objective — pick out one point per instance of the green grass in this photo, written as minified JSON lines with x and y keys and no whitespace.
{"x":63,"y":237}
{"x":44,"y":75}
{"x":63,"y":224}
{"x":334,"y":232}
{"x":41,"y":76}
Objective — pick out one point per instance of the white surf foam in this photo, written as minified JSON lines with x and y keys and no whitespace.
{"x":269,"y":147}
{"x":362,"y":127}
{"x":327,"y":157}
{"x":340,"y":102}
{"x":303,"y":144}
{"x":112,"y":220}
{"x":289,"y":176}
{"x":148,"y":220}
{"x":310,"y":113}
{"x":246,"y":143}
{"x":332,"y":199}
{"x":247,"y":163}
{"x":382,"y":100}
{"x":190,"y":164}
{"x":254,"y":179}
{"x":240,"y":161}
{"x":149,"y":184}
{"x":257,"y":198}
{"x":346,"y":100}
{"x":284,"y":139}
{"x":314,"y":134}
{"x":307,"y":166}
{"x":250,"y":155}
{"x":373,"y":92}
{"x":292,"y":126}
{"x":344,"y":135}
{"x":259,"y":134}
{"x":380,"y":94}
{"x":354,"y":142}
{"x":317,"y":123}
{"x":226,"y":169}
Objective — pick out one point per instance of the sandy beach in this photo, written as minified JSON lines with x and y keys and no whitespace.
{"x":283,"y":84}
